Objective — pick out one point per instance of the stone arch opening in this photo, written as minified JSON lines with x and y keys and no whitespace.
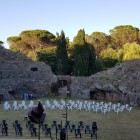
{"x":62,"y":87}
{"x":97,"y":95}
{"x":93,"y":95}
{"x":62,"y":83}
{"x":54,"y":89}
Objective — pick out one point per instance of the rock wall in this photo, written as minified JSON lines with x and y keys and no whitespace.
{"x":121,"y":83}
{"x":19,"y":74}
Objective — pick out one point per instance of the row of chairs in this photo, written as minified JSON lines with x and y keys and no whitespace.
{"x":17,"y":128}
{"x":72,"y":128}
{"x":77,"y":130}
{"x":79,"y":105}
{"x":88,"y":106}
{"x":16,"y":125}
{"x":17,"y":106}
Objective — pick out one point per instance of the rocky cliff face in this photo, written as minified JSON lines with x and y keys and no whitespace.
{"x":121,"y":83}
{"x":19,"y":74}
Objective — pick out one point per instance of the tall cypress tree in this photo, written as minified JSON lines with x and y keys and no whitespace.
{"x":81,"y":57}
{"x":84,"y":56}
{"x":61,"y":54}
{"x":92,"y":59}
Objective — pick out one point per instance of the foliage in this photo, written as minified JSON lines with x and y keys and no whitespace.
{"x":80,"y":55}
{"x":80,"y":38}
{"x":83,"y":52}
{"x":92,"y":59}
{"x":1,"y":42}
{"x":18,"y":45}
{"x":109,"y":52}
{"x":38,"y":38}
{"x":48,"y":55}
{"x":99,"y":40}
{"x":62,"y":61}
{"x":80,"y":60}
{"x":131,"y":51}
{"x":85,"y":55}
{"x":99,"y":66}
{"x":109,"y":57}
{"x":30,"y":41}
{"x":124,"y":34}
{"x":109,"y":62}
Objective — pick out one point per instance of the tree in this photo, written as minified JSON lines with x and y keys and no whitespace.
{"x":38,"y":38}
{"x":124,"y":34}
{"x":48,"y":55}
{"x":61,"y":54}
{"x":99,"y":66}
{"x":131,"y":51}
{"x":139,"y":38}
{"x":18,"y":45}
{"x":31,"y":41}
{"x":84,"y":55}
{"x":99,"y":40}
{"x":109,"y":57}
{"x":92,"y":59}
{"x":80,"y":55}
{"x":1,"y":43}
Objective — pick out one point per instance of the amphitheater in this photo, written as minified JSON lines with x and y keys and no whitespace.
{"x":111,"y":98}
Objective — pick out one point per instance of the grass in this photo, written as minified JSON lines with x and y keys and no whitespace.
{"x":124,"y":126}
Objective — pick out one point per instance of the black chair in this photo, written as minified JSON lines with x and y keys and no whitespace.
{"x":33,"y":131}
{"x":19,"y":130}
{"x":78,"y":132}
{"x":67,"y":125}
{"x":54,"y":124}
{"x":48,"y":131}
{"x":94,"y":130}
{"x":4,"y":128}
{"x":94,"y":126}
{"x":28,"y":123}
{"x":87,"y":129}
{"x":72,"y":128}
{"x":45,"y":126}
{"x":15,"y":123}
{"x":59,"y":127}
{"x":81,"y":124}
{"x":63,"y":134}
{"x":30,"y":127}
